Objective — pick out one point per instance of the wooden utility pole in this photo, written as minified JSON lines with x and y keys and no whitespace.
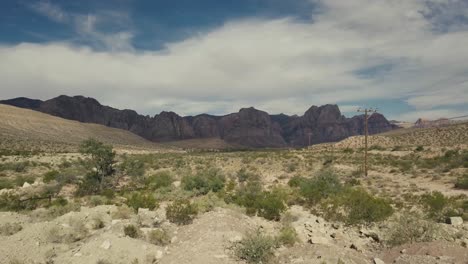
{"x":366,"y":131}
{"x":310,"y":136}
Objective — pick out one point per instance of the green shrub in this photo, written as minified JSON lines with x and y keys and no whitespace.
{"x":436,"y":204}
{"x":133,"y":167}
{"x":102,"y":159}
{"x":159,"y":237}
{"x":255,"y":247}
{"x":288,"y":236}
{"x":142,"y":200}
{"x":361,"y":207}
{"x":6,"y":184}
{"x":11,"y":202}
{"x":296,"y":181}
{"x":419,"y":148}
{"x":271,"y":205}
{"x":50,"y":176}
{"x":322,"y":186}
{"x":205,"y":181}
{"x":181,"y":212}
{"x":411,"y":228}
{"x":159,"y":180}
{"x":21,"y":179}
{"x":131,"y":231}
{"x":462,"y":182}
{"x":243,"y":175}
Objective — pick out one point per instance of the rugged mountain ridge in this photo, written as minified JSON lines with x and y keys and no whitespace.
{"x":248,"y":127}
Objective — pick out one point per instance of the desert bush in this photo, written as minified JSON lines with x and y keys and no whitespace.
{"x":9,"y":229}
{"x":6,"y":183}
{"x":159,"y":180}
{"x":462,"y":182}
{"x":122,"y":212}
{"x":20,"y":166}
{"x":209,"y":202}
{"x":322,"y":186}
{"x":243,"y":175}
{"x":133,"y":167}
{"x":50,"y":176}
{"x":411,"y":228}
{"x":97,"y":222}
{"x":419,"y":148}
{"x":296,"y":181}
{"x":159,"y":237}
{"x":255,"y":247}
{"x":181,"y":212}
{"x":271,"y":205}
{"x":21,"y":179}
{"x":102,"y":159}
{"x":435,"y":204}
{"x":205,"y":181}
{"x":131,"y":231}
{"x":75,"y":232}
{"x":348,"y":150}
{"x":11,"y":202}
{"x":142,"y":200}
{"x":96,"y":200}
{"x":287,"y":236}
{"x":362,"y":207}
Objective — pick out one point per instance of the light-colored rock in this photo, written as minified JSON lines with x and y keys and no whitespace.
{"x":26,"y":185}
{"x":378,"y":261}
{"x":455,"y":221}
{"x":106,"y":244}
{"x":159,"y":254}
{"x":147,"y":218}
{"x":319,"y":240}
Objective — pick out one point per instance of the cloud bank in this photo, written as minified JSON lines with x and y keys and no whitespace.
{"x":351,"y":51}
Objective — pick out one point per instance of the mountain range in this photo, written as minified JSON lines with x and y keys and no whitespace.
{"x":249,"y":127}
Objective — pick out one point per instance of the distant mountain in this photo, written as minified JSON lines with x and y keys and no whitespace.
{"x":248,"y":127}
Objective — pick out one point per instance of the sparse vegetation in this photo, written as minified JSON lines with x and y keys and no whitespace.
{"x":159,"y":237}
{"x":142,"y":200}
{"x":255,"y":247}
{"x":411,"y":227}
{"x":131,"y":231}
{"x":181,"y":212}
{"x":205,"y":181}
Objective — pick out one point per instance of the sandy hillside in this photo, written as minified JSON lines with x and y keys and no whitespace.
{"x":26,"y":129}
{"x":452,"y":135}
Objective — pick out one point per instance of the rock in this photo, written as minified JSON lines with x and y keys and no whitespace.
{"x":235,"y":239}
{"x":26,"y":185}
{"x":147,"y":218}
{"x":174,"y":239}
{"x":403,"y":251}
{"x":378,"y":261}
{"x":106,"y":245}
{"x":159,"y":254}
{"x":318,"y":240}
{"x":455,"y":221}
{"x":78,"y":254}
{"x":176,"y":184}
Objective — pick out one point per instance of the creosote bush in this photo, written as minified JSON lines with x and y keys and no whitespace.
{"x":255,"y":247}
{"x":181,"y":212}
{"x":142,"y":200}
{"x":287,"y":236}
{"x":50,"y":176}
{"x":462,"y":182}
{"x":411,"y":227}
{"x":159,"y":237}
{"x":159,"y":180}
{"x":9,"y":229}
{"x":131,"y":231}
{"x":205,"y":181}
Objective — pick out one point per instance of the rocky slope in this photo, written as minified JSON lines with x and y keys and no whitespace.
{"x":249,"y":127}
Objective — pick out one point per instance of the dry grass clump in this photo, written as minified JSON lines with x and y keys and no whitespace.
{"x":9,"y":229}
{"x":122,"y":212}
{"x":159,"y":237}
{"x":73,"y":232}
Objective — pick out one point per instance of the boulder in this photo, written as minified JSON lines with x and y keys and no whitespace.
{"x":455,"y":221}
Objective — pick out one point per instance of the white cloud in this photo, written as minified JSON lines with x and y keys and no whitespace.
{"x":51,"y":11}
{"x":279,"y":65}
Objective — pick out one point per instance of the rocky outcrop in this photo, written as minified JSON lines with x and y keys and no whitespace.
{"x":249,"y":127}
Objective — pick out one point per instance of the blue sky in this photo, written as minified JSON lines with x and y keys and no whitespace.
{"x":407,"y":57}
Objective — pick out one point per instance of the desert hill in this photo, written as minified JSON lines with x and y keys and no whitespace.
{"x":31,"y":130}
{"x":249,"y":127}
{"x":449,"y":135}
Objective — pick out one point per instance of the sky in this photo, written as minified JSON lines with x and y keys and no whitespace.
{"x":408,"y":58}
